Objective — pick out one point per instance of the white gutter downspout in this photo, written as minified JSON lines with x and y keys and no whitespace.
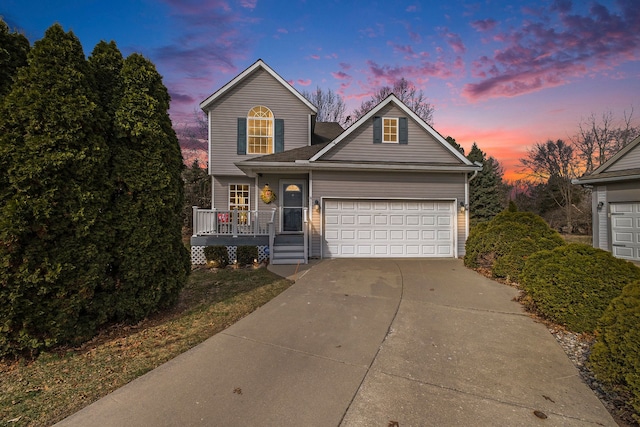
{"x":256,"y":196}
{"x":466,"y":202}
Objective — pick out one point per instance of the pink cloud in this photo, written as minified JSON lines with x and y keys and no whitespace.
{"x":404,"y":49}
{"x":541,"y":54}
{"x":249,"y":4}
{"x":283,"y":31}
{"x":302,"y":82}
{"x":340,"y":75}
{"x":373,"y":32}
{"x":454,"y":41}
{"x":316,"y":57}
{"x":484,"y":24}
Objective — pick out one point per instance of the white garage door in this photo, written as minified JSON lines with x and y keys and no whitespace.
{"x":625,"y":230}
{"x":379,"y":228}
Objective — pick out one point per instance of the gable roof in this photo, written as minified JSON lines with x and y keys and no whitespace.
{"x":601,"y":174}
{"x":401,"y":105}
{"x":259,"y":64}
{"x":325,"y":132}
{"x":304,"y":158}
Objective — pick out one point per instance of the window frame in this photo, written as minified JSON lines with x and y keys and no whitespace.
{"x":236,"y":191}
{"x":267,"y":124}
{"x":394,"y":123}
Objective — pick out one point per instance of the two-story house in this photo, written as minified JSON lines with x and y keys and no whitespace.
{"x":387,"y":186}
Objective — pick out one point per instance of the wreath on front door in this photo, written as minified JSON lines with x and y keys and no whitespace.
{"x":267,"y":195}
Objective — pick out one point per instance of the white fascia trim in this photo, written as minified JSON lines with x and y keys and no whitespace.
{"x":595,"y":179}
{"x":606,"y":165}
{"x":408,"y":112}
{"x":258,"y":64}
{"x":209,"y":143}
{"x":307,"y":165}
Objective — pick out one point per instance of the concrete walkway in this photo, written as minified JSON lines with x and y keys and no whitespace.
{"x":367,"y":343}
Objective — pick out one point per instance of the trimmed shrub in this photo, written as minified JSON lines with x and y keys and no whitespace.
{"x":504,"y":243}
{"x":573,"y":285}
{"x":246,"y":254}
{"x":217,"y":254}
{"x":615,"y":357}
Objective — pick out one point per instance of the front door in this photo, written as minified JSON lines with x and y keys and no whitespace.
{"x":292,"y":204}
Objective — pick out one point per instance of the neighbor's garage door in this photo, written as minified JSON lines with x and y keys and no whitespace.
{"x":625,"y":230}
{"x":373,"y":228}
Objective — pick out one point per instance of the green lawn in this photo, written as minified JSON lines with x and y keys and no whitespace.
{"x":57,"y":384}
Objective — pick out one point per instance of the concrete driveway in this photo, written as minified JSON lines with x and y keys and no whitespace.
{"x":367,"y":343}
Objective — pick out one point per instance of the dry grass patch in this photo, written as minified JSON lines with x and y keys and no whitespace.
{"x":57,"y":384}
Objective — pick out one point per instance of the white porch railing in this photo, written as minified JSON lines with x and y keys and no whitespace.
{"x":215,"y":222}
{"x":305,"y":226}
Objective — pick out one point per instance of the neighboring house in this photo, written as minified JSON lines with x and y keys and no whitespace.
{"x":388,"y":186}
{"x":616,"y":202}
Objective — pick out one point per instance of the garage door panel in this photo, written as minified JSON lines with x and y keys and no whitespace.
{"x":396,"y":219}
{"x":364,"y":250}
{"x":428,"y":220}
{"x":380,"y":234}
{"x":364,"y":234}
{"x":444,"y":220}
{"x":365,"y":219}
{"x":413,"y":250}
{"x":388,"y":228}
{"x":347,"y":234}
{"x":413,"y":234}
{"x":381,"y":220}
{"x":428,"y":235}
{"x":396,"y":235}
{"x":381,"y":249}
{"x":625,"y":230}
{"x":332,"y":234}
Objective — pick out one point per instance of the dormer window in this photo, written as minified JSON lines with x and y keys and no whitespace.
{"x":390,"y":130}
{"x":260,"y":131}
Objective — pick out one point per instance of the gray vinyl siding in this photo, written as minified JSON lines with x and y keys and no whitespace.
{"x":221,"y":190}
{"x":422,"y":147}
{"x":600,"y":218}
{"x":363,"y":185}
{"x":274,"y":184}
{"x":259,"y":88}
{"x":630,"y":160}
{"x":622,"y":192}
{"x":316,"y":238}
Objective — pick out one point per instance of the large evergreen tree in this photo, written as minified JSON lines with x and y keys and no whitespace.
{"x":14,"y":48}
{"x":486,"y":191}
{"x":150,"y":262}
{"x":52,"y":146}
{"x":105,"y":65}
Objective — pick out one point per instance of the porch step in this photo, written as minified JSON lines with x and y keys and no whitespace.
{"x":288,"y":254}
{"x":288,"y":239}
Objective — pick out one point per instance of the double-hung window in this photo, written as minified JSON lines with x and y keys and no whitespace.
{"x":260,"y":131}
{"x":239,"y":200}
{"x":390,"y":130}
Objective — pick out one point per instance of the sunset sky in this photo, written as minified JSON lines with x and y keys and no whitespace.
{"x":505,"y":74}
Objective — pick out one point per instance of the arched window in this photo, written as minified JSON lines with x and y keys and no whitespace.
{"x":260,"y":131}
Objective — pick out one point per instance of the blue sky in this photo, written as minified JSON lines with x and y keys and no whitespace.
{"x":504,"y":74}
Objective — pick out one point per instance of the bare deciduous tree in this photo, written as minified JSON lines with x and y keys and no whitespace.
{"x":600,"y":138}
{"x":554,"y":162}
{"x":407,"y":93}
{"x":331,"y":106}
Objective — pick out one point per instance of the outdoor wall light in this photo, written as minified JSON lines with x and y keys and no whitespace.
{"x":600,"y":205}
{"x":316,"y":206}
{"x":463,"y":207}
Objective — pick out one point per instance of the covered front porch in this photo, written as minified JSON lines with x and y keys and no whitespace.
{"x":276,"y":243}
